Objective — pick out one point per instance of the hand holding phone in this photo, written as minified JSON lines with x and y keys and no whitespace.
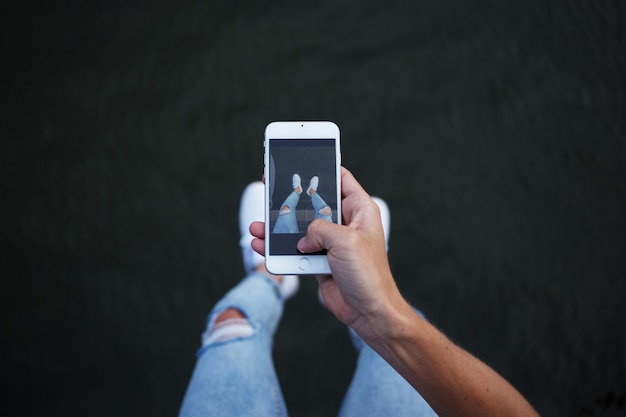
{"x":302,"y":184}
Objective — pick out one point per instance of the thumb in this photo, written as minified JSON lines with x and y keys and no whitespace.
{"x":320,"y":235}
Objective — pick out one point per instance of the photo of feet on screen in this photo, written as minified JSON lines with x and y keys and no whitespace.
{"x":303,"y":188}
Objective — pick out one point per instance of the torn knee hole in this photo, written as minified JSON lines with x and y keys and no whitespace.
{"x":231,"y":313}
{"x":285,"y":210}
{"x":228,"y":325}
{"x":325,"y":211}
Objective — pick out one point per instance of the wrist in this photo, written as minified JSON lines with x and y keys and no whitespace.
{"x":392,"y":321}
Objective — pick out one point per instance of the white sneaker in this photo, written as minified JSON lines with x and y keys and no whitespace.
{"x":296,"y":183}
{"x":289,"y":286}
{"x":251,"y":210}
{"x":315,"y":181}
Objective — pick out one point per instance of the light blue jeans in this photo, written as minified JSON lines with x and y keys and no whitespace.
{"x":237,"y":378}
{"x":287,"y":223}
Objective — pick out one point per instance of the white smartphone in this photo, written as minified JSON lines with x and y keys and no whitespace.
{"x":302,"y":183}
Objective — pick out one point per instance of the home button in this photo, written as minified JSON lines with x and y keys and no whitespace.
{"x":305,"y":264}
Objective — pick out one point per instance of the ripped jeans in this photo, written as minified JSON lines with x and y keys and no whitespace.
{"x":237,"y":378}
{"x":287,"y":223}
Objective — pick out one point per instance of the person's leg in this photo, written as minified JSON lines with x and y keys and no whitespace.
{"x":378,"y":390}
{"x":286,"y":222}
{"x":234,"y":373}
{"x":322,"y":210}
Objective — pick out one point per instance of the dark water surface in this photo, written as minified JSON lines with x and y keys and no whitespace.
{"x":494,"y":130}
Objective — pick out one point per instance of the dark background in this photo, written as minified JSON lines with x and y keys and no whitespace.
{"x":495,"y":131}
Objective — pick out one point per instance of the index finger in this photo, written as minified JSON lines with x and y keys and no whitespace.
{"x":357,"y":205}
{"x":349,"y":184}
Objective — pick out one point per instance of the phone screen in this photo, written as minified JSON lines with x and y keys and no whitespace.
{"x":291,"y":212}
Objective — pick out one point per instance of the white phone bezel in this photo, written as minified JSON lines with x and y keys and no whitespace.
{"x":300,"y":264}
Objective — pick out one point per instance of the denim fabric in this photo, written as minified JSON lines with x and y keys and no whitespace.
{"x":286,"y":222}
{"x":237,"y":377}
{"x":378,"y":390}
{"x":318,"y":204}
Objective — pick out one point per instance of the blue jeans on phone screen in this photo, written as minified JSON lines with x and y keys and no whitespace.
{"x":237,"y":378}
{"x":286,"y":221}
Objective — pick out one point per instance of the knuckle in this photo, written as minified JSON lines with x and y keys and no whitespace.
{"x":316,"y":226}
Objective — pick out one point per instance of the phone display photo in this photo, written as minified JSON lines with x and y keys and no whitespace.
{"x":302,"y":184}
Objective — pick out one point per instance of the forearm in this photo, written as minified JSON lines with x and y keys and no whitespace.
{"x":362,"y":294}
{"x":454,"y":382}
